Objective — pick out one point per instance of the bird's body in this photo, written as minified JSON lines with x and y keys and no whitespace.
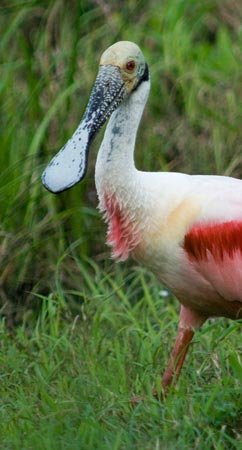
{"x":187,"y":229}
{"x":154,"y":218}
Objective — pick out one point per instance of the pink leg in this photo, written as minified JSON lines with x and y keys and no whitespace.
{"x":189,"y":321}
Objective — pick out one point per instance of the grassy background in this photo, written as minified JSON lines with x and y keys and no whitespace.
{"x":80,"y":335}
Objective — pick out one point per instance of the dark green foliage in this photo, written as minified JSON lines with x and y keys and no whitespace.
{"x":50,"y":53}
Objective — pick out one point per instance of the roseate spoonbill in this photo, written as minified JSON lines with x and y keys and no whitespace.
{"x":186,"y":229}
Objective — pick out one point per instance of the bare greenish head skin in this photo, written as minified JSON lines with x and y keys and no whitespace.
{"x":128,"y":57}
{"x":122,"y":69}
{"x":120,"y":52}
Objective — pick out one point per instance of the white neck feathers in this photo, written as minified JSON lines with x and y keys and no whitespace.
{"x":115,"y":161}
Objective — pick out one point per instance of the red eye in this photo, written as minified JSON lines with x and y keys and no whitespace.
{"x":130,"y":66}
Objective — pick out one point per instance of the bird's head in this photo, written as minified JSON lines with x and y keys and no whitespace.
{"x":122,"y":69}
{"x":128,"y":61}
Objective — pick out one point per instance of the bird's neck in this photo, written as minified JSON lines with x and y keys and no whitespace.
{"x":117,"y":180}
{"x":115,"y":162}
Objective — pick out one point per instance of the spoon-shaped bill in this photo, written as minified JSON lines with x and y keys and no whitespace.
{"x":69,"y":165}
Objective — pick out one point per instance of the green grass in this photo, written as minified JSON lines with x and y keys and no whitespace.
{"x":66,"y":383}
{"x":80,"y":335}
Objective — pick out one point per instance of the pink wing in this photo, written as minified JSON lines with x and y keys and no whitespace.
{"x":219,"y":240}
{"x":215,"y":251}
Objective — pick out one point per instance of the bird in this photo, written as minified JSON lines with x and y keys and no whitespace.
{"x":186,"y":229}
